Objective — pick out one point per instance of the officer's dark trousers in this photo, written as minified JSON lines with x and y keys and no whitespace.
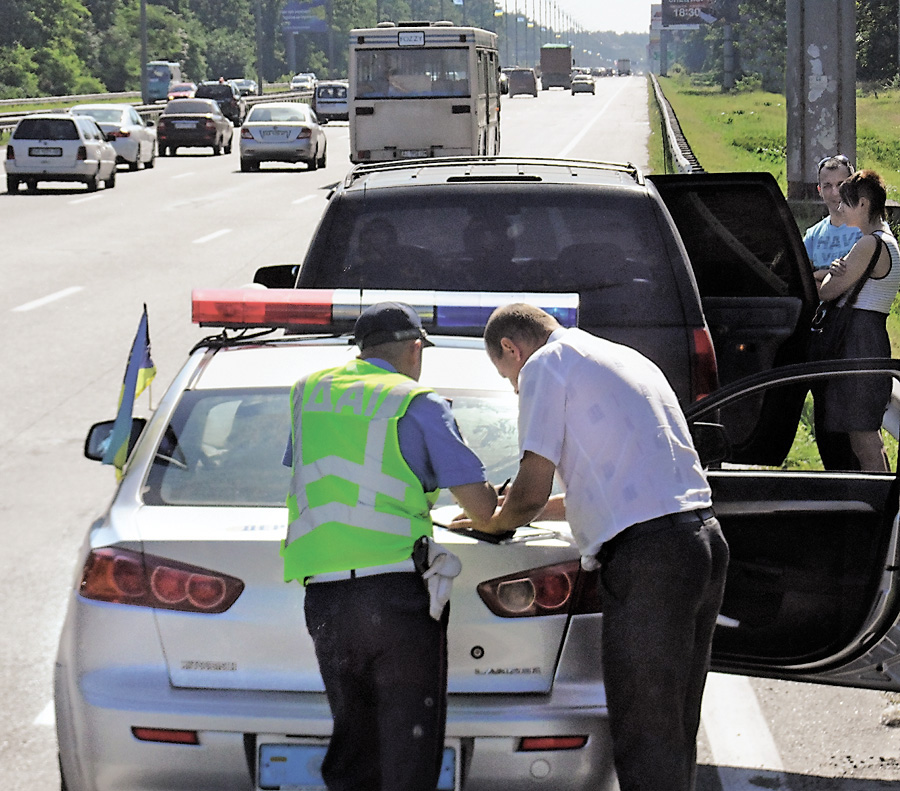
{"x":384,"y":663}
{"x":662,"y":593}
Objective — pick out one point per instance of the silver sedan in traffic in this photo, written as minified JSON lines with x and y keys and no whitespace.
{"x":282,"y":132}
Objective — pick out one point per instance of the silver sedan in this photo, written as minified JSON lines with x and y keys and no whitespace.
{"x":282,"y":132}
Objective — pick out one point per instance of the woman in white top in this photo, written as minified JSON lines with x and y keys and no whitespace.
{"x":856,"y":404}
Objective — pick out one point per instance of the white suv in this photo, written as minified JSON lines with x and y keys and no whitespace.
{"x":59,"y":147}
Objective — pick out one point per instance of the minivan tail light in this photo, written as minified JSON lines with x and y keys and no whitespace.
{"x":82,"y":154}
{"x":559,"y":589}
{"x":10,"y":154}
{"x":123,"y":576}
{"x":704,"y":370}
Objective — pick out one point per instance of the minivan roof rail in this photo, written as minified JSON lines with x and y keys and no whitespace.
{"x":365,"y":169}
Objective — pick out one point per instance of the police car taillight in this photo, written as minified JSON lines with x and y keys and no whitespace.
{"x":336,"y":310}
{"x":123,"y":576}
{"x":559,"y":589}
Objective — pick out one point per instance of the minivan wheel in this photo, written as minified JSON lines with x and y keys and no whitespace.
{"x":111,"y":181}
{"x":12,"y":184}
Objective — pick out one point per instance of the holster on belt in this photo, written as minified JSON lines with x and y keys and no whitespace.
{"x":438,"y":566}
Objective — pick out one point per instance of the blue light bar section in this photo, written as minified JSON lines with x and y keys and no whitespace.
{"x":453,"y":310}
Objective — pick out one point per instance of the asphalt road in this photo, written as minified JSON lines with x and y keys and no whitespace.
{"x":78,"y":267}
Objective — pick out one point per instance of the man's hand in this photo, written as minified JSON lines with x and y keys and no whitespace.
{"x":523,"y":501}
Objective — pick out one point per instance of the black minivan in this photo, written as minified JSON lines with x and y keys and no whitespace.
{"x":706,"y":274}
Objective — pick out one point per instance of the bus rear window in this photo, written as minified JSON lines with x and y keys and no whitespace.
{"x":420,"y":73}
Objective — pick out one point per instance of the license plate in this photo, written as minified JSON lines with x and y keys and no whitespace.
{"x":185,"y":124}
{"x":45,"y":152}
{"x":414,"y":153}
{"x":273,"y":134}
{"x":297,"y":766}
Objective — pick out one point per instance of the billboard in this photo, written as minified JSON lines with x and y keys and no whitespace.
{"x":689,"y":13}
{"x":304,"y":16}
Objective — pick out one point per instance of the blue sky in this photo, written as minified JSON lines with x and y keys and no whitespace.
{"x":623,"y":16}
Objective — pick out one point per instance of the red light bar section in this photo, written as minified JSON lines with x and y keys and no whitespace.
{"x":269,"y":307}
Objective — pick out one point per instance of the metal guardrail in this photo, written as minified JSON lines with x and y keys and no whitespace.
{"x":146,"y":111}
{"x":678,"y":146}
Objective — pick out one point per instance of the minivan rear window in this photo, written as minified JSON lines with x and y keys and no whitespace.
{"x":46,"y":129}
{"x":605,"y":245}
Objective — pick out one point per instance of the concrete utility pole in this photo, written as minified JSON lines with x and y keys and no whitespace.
{"x":820,"y":89}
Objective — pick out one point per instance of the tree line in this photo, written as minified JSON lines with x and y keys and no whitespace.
{"x":59,"y":47}
{"x":759,"y":34}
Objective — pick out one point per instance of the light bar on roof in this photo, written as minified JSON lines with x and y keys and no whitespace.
{"x":336,"y":310}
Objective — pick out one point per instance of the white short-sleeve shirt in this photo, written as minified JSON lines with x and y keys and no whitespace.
{"x":608,"y":419}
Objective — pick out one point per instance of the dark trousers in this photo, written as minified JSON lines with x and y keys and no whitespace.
{"x":383,"y":659}
{"x":663,"y":590}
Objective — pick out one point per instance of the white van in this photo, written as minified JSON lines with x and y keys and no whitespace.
{"x":330,"y":101}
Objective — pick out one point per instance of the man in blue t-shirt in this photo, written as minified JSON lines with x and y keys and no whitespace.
{"x":826,"y":241}
{"x":829,"y":238}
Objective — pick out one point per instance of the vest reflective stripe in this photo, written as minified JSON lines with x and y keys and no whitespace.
{"x":373,"y":508}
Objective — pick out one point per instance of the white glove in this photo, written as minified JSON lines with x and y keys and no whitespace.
{"x":443,"y":566}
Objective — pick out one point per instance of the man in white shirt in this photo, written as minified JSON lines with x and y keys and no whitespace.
{"x":604,"y":417}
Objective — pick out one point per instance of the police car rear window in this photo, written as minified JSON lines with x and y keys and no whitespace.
{"x":226,"y":447}
{"x":606,"y":245}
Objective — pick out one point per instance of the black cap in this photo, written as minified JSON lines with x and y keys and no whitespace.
{"x":386,"y":322}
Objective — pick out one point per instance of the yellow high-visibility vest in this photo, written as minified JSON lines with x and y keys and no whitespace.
{"x":354,"y":502}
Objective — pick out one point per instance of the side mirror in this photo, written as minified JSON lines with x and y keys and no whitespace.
{"x":711,"y":443}
{"x":100,"y":433}
{"x":277,"y":276}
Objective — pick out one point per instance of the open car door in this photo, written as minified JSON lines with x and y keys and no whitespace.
{"x":757,"y":291}
{"x":812,"y":590}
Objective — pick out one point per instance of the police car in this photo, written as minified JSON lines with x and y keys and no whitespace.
{"x":184,"y":661}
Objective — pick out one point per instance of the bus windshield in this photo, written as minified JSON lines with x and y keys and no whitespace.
{"x":412,"y":73}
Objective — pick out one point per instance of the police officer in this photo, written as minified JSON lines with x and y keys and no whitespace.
{"x":369,"y":450}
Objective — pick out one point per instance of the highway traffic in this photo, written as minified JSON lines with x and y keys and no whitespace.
{"x":78,"y":268}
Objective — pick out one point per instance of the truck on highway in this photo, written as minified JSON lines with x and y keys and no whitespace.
{"x":623,"y":67}
{"x":556,"y":66}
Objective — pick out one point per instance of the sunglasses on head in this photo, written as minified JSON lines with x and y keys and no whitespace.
{"x":837,"y":158}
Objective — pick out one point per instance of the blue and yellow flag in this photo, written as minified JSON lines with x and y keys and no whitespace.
{"x":138,"y":374}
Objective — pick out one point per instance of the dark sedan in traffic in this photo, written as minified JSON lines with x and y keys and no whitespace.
{"x":193,"y":123}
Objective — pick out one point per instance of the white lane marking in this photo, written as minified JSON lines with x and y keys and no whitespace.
{"x":38,"y":303}
{"x":47,"y":715}
{"x":182,"y":175}
{"x":580,"y":136}
{"x":302,"y":200}
{"x":95,"y":196}
{"x":210,"y":236}
{"x":738,"y":734}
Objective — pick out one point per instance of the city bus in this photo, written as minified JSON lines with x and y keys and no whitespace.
{"x":159,"y":74}
{"x":423,"y":89}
